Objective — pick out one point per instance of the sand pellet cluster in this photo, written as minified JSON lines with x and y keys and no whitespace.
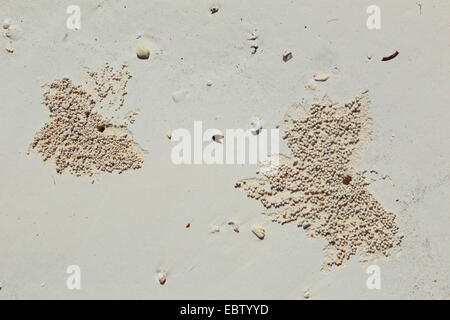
{"x":319,"y":189}
{"x":108,"y":87}
{"x":77,"y":136}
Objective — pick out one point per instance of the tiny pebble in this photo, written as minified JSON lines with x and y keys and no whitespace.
{"x":142,"y":52}
{"x":306,"y":295}
{"x":162,"y":277}
{"x":259,"y":232}
{"x":215,"y":228}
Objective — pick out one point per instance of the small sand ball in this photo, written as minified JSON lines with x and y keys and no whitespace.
{"x":143,"y":52}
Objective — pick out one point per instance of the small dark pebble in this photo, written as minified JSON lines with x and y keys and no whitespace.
{"x":287,"y":57}
{"x":392,"y":56}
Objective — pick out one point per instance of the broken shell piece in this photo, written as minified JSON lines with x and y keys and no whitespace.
{"x":321,"y":77}
{"x":9,"y":48}
{"x":169,"y":134}
{"x":259,"y":232}
{"x":307,"y":295}
{"x":162,"y":277}
{"x":256,"y":126}
{"x":234,"y":225}
{"x":217,"y":138}
{"x":311,"y":85}
{"x":287,"y":57}
{"x":142,"y":52}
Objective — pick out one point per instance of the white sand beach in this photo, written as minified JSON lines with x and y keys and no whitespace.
{"x":125,"y":216}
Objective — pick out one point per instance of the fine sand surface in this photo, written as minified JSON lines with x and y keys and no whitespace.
{"x":122,"y":229}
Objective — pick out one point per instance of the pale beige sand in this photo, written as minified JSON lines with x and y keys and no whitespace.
{"x":124,"y":228}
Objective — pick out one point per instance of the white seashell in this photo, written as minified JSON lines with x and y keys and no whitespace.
{"x":307,"y":295}
{"x":234,"y":225}
{"x":162,"y":277}
{"x":259,"y":232}
{"x":13,"y":32}
{"x":6,"y":23}
{"x":142,"y":52}
{"x":9,"y":48}
{"x":256,"y":126}
{"x":321,"y":77}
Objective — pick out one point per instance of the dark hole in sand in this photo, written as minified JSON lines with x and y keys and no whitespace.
{"x":101,"y":128}
{"x":346,"y":179}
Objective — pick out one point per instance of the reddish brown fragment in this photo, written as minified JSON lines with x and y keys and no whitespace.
{"x":392,"y":56}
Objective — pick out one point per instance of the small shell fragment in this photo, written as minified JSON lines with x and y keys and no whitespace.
{"x":234,"y":225}
{"x":311,"y":85}
{"x":13,"y":32}
{"x":321,"y":77}
{"x":256,"y":126}
{"x":6,"y":23}
{"x":259,"y":232}
{"x":214,"y":228}
{"x":287,"y":57}
{"x":179,"y":95}
{"x":9,"y":48}
{"x":162,"y":277}
{"x":169,"y":134}
{"x":142,"y":52}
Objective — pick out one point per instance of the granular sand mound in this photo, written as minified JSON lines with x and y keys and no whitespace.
{"x":77,"y":137}
{"x":320,"y":190}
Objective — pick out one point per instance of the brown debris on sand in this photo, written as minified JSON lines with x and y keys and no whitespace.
{"x":319,"y":188}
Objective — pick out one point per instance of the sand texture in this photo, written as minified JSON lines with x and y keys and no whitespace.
{"x":90,"y":115}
